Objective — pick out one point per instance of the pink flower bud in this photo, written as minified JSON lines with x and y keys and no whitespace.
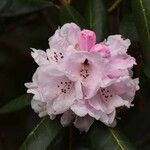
{"x":87,"y":40}
{"x":102,"y":49}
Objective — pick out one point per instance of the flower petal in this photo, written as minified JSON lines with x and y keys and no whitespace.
{"x":122,"y":62}
{"x":55,"y":56}
{"x":79,"y":108}
{"x":70,"y":31}
{"x":117,"y":101}
{"x":58,"y":42}
{"x":39,"y":56}
{"x":126,"y":88}
{"x":88,"y":74}
{"x":83,"y":123}
{"x":117,"y":44}
{"x":39,"y":107}
{"x":108,"y":119}
{"x":63,"y":102}
{"x":64,"y":37}
{"x":67,"y":118}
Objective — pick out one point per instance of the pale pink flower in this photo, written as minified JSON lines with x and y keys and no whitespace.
{"x":51,"y":56}
{"x":92,"y":70}
{"x":82,"y":80}
{"x":117,"y":69}
{"x":102,"y":49}
{"x":85,"y":68}
{"x":117,"y":44}
{"x":52,"y":86}
{"x":64,"y":36}
{"x":82,"y":123}
{"x":118,"y":51}
{"x":67,"y":118}
{"x":39,"y":107}
{"x":103,"y":105}
{"x":40,"y":57}
{"x":118,"y":61}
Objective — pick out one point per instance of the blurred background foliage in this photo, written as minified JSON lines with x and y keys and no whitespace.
{"x":29,"y":23}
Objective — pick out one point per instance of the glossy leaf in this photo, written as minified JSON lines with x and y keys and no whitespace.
{"x":141,"y":11}
{"x":16,"y":104}
{"x":69,"y":14}
{"x":95,"y":14}
{"x":106,"y":138}
{"x":42,"y":135}
{"x":10,"y":8}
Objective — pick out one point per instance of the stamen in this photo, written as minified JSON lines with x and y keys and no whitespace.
{"x":86,"y":62}
{"x":55,"y":56}
{"x":64,"y":86}
{"x":84,"y":72}
{"x":105,"y":93}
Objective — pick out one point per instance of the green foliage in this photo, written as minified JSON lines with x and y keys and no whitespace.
{"x":95,"y":17}
{"x":69,"y":14}
{"x":95,"y":13}
{"x":106,"y":138}
{"x":42,"y":135}
{"x":9,"y":8}
{"x":16,"y":104}
{"x":128,"y":28}
{"x":141,"y":11}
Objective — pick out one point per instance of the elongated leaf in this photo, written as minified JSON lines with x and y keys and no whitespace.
{"x":96,"y":17}
{"x":42,"y":135}
{"x":16,"y":104}
{"x":69,"y":14}
{"x":141,"y":10}
{"x":10,"y":8}
{"x":105,"y":138}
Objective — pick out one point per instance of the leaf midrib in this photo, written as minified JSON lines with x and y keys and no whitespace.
{"x":145,"y":18}
{"x":116,"y":139}
{"x":33,"y":132}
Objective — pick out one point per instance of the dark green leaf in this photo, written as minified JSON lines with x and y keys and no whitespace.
{"x":16,"y":104}
{"x":105,"y":138}
{"x":96,"y":17}
{"x":128,"y":28}
{"x":10,"y":8}
{"x":69,"y":14}
{"x":141,"y":10}
{"x":42,"y":135}
{"x":3,"y":4}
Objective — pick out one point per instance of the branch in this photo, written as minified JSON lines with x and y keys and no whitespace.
{"x":114,"y":6}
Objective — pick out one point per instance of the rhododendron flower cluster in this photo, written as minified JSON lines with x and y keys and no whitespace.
{"x":82,"y":80}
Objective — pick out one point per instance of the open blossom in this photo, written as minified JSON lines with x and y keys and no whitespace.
{"x":53,"y":88}
{"x":64,"y":37}
{"x":82,"y":80}
{"x":103,"y":105}
{"x":87,"y":69}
